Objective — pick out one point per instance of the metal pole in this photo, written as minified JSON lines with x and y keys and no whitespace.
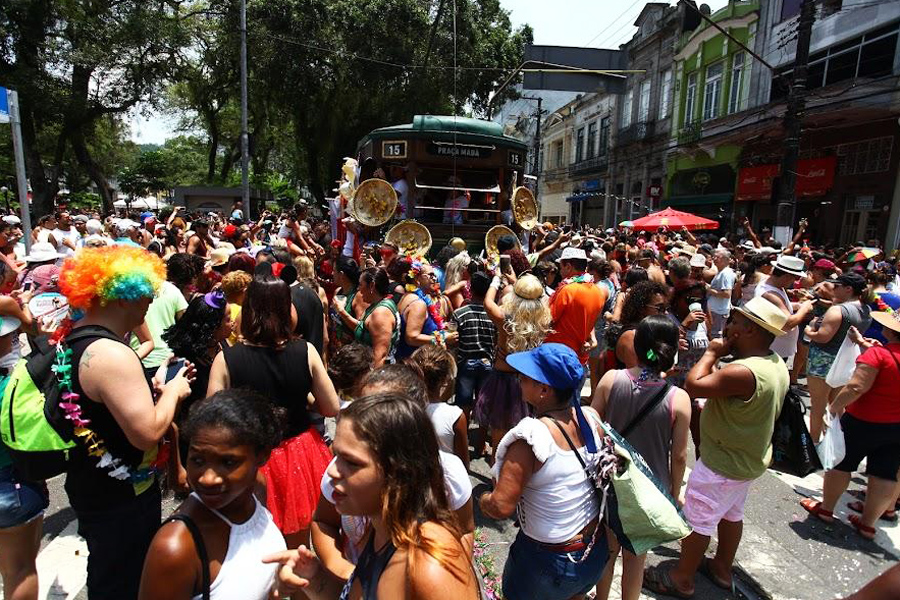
{"x":537,"y":150}
{"x":793,"y":117}
{"x":245,"y":135}
{"x":21,"y":181}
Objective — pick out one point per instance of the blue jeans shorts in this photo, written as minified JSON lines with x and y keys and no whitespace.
{"x":20,"y":501}
{"x":533,"y":571}
{"x":469,"y":379}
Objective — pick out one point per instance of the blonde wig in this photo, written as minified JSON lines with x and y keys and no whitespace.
{"x":527,"y":316}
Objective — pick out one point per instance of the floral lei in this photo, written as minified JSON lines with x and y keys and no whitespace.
{"x":69,"y":403}
{"x":431,"y":304}
{"x":882,"y":305}
{"x":583,"y":278}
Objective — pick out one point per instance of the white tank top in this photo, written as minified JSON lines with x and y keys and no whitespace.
{"x":784,"y":346}
{"x":243,"y":576}
{"x":558,"y":500}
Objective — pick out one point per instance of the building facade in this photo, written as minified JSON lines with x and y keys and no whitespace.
{"x":847,"y":178}
{"x":713,"y":97}
{"x":643,"y":118}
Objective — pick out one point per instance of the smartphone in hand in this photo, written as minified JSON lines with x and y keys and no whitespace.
{"x":173,"y":368}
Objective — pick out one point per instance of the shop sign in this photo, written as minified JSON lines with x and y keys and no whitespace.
{"x":460,"y":150}
{"x":590,"y":185}
{"x":815,"y":176}
{"x":654,"y":192}
{"x":755,"y":183}
{"x":864,"y":203}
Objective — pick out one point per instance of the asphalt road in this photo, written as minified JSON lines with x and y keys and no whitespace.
{"x":783,"y":555}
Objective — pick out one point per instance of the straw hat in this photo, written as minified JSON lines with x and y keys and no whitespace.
{"x":765,"y":314}
{"x":219,"y":257}
{"x":791,"y":264}
{"x":889,"y":320}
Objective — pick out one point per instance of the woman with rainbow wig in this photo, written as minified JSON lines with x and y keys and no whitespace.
{"x":111,"y":482}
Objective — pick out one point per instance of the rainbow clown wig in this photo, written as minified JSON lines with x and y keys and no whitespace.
{"x":110,"y":273}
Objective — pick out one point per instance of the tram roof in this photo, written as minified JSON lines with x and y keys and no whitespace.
{"x":447,"y":128}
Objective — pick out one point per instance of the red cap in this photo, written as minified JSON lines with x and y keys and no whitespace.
{"x":276,"y":269}
{"x":229,"y":231}
{"x":825,"y":264}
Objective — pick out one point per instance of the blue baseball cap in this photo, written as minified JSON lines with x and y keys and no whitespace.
{"x":555,"y":365}
{"x":558,"y":366}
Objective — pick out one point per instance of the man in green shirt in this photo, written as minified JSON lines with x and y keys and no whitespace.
{"x":743,"y":400}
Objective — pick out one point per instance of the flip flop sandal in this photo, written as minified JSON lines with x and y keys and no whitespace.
{"x":814,"y":507}
{"x":658,"y":581}
{"x":864,"y":531}
{"x":888,"y":515}
{"x":706,"y":571}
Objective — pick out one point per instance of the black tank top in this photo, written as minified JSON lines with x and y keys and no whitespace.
{"x":369,"y":567}
{"x":90,"y":487}
{"x":282,"y":375}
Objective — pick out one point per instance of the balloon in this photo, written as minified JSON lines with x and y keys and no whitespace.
{"x":458,"y":243}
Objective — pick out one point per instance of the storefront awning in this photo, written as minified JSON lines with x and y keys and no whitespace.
{"x":815,"y":176}
{"x":580,"y":197}
{"x":755,"y":183}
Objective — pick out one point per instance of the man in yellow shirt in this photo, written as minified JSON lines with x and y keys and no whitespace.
{"x":743,"y":400}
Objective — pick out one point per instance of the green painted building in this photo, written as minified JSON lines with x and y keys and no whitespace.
{"x":713,"y":88}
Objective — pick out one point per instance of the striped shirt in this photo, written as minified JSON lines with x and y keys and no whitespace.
{"x":477,"y":334}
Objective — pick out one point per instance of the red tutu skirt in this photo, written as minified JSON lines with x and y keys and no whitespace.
{"x":293,"y":476}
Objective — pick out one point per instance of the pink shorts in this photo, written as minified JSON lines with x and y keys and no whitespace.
{"x":711,"y":497}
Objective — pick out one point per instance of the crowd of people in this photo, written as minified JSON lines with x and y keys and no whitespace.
{"x":316,"y":404}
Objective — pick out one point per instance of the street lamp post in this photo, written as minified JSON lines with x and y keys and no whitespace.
{"x":5,"y":191}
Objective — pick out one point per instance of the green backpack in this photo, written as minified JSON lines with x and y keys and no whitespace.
{"x":33,"y":426}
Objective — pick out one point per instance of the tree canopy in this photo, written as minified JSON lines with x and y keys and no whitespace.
{"x":322,"y":73}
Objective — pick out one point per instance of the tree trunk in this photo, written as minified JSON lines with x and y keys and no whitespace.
{"x":93,"y":170}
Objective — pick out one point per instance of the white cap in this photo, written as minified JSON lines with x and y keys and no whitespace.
{"x":698,"y":260}
{"x":42,"y":252}
{"x":571,"y":253}
{"x":12,"y":220}
{"x":8,"y":325}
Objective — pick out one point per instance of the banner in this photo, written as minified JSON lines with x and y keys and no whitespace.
{"x":4,"y":106}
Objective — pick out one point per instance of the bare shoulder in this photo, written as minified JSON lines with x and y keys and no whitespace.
{"x":173,"y":546}
{"x":112,"y":354}
{"x":429,"y":578}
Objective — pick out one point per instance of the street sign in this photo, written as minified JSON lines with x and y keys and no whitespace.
{"x":557,"y":59}
{"x":4,"y":106}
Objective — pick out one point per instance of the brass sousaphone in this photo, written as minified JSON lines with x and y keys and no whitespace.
{"x":411,"y":238}
{"x":374,"y":202}
{"x":524,"y":208}
{"x":495,"y":233}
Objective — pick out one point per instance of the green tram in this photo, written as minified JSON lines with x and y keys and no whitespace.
{"x":443,"y":157}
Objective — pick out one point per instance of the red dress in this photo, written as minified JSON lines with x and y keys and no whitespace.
{"x":295,"y":468}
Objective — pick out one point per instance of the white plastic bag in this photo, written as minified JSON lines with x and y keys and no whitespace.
{"x":844,"y":364}
{"x":832,"y":447}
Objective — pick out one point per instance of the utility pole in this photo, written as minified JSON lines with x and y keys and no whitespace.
{"x":537,"y":150}
{"x":793,"y":121}
{"x":15,"y":120}
{"x":245,"y":135}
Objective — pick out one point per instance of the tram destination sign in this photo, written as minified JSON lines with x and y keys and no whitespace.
{"x":393,"y":149}
{"x":460,"y":150}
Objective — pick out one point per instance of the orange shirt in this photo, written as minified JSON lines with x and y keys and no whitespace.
{"x":575,"y":308}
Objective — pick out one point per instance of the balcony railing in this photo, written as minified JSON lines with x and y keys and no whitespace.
{"x":690,"y":133}
{"x":598,"y":164}
{"x":554,"y":174}
{"x":637,"y":132}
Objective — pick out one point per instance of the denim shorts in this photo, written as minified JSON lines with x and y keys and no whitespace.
{"x":533,"y":571}
{"x":469,"y":379}
{"x":20,"y":501}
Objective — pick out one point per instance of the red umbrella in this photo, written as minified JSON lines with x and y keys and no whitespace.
{"x":674,"y":219}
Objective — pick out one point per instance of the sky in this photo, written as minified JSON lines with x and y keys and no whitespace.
{"x":588,"y":23}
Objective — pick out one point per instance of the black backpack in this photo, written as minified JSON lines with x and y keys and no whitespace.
{"x":33,"y":425}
